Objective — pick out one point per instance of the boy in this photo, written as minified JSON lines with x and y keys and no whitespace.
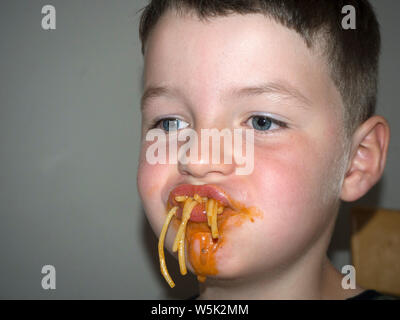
{"x":306,"y":88}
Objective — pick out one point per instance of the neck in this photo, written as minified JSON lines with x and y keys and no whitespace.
{"x":307,"y":283}
{"x":311,"y":276}
{"x":299,"y":281}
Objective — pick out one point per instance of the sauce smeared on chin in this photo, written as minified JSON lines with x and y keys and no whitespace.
{"x":201,"y":253}
{"x":202,"y":248}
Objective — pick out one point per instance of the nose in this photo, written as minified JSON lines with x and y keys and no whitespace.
{"x":203,"y":169}
{"x":214,"y":155}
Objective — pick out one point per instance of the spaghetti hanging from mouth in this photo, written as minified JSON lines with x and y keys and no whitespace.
{"x":213,"y":208}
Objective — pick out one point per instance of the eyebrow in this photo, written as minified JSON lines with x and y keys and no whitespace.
{"x":279,"y":88}
{"x":155,"y":92}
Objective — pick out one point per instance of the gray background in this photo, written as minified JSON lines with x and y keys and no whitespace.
{"x":69,"y":138}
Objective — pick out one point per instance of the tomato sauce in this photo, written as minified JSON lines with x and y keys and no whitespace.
{"x":202,"y":248}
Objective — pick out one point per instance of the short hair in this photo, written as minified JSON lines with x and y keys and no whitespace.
{"x":352,"y":54}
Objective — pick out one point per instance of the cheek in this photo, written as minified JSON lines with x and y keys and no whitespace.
{"x":296,"y":178}
{"x":288,"y":179}
{"x":150,"y":177}
{"x":286,"y":187}
{"x":150,"y":180}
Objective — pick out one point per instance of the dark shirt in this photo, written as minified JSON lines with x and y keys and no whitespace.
{"x":372,"y":295}
{"x":365,"y":295}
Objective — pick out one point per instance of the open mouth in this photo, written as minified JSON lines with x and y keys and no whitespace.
{"x":209,"y":198}
{"x":203,"y":213}
{"x":201,"y":204}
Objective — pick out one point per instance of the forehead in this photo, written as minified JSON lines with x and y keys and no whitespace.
{"x":209,"y":58}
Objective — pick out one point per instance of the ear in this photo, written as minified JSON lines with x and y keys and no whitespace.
{"x":367,"y":158}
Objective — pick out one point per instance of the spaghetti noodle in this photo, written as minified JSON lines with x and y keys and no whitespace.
{"x":213,"y":208}
{"x":163,"y":265}
{"x":214,"y":227}
{"x":187,"y":210}
{"x":210,"y":210}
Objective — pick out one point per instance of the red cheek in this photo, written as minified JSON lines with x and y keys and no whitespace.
{"x":283,"y":175}
{"x":152,"y":178}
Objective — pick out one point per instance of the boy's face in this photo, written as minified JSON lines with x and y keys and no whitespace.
{"x":297,"y":169}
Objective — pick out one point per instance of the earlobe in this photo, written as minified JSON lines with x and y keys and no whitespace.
{"x":367,"y":158}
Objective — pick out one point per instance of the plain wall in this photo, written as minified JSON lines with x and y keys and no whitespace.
{"x":70,"y":138}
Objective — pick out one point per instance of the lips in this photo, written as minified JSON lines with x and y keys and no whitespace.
{"x":207,"y":190}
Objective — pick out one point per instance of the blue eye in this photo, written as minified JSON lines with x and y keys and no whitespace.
{"x":171,"y":124}
{"x":261,"y":123}
{"x":264,"y":123}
